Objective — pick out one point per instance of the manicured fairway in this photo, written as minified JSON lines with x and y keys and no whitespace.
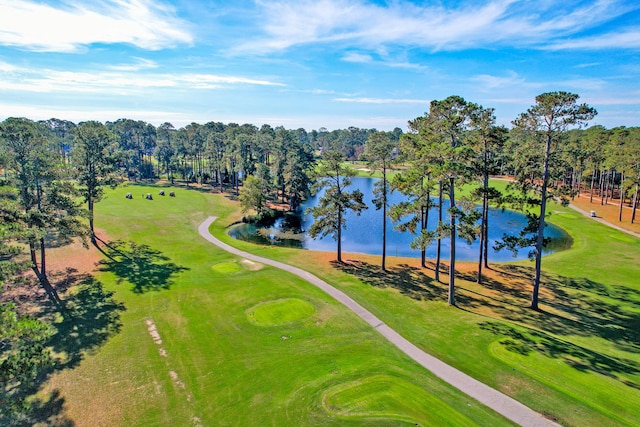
{"x":576,"y":360}
{"x":194,"y":336}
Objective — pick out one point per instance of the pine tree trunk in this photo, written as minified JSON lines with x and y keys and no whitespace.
{"x":486,"y":236}
{"x":621,"y":198}
{"x":540,"y":236}
{"x":91,"y":229}
{"x":602,"y":178}
{"x":579,"y":182}
{"x":635,"y":204}
{"x":452,"y":245}
{"x":480,"y":255}
{"x":41,"y":272}
{"x":339,"y":255}
{"x":439,"y":243}
{"x":384,"y":219}
{"x":593,"y":177}
{"x":424,"y":210}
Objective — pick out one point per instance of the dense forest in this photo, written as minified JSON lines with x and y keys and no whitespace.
{"x":53,"y":172}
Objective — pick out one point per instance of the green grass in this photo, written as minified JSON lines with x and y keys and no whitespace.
{"x":280,"y":312}
{"x":577,"y":360}
{"x":226,"y":267}
{"x":185,"y":334}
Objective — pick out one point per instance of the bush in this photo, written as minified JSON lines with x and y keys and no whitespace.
{"x":265,"y":218}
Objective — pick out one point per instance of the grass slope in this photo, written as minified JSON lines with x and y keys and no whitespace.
{"x":185,"y":347}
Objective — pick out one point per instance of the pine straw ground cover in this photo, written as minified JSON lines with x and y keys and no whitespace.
{"x":164,"y":332}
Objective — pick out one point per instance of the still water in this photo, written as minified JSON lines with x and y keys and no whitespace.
{"x":364,"y":233}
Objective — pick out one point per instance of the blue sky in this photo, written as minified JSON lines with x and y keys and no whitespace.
{"x":313,"y":64}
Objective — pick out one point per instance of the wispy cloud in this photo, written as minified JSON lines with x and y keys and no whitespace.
{"x":629,"y":39}
{"x":381,"y":100}
{"x":357,"y":23}
{"x":357,"y":58}
{"x":138,"y":65}
{"x":587,"y":65}
{"x":361,"y":58}
{"x":115,"y":81}
{"x":33,"y":25}
{"x":43,"y":112}
{"x":488,"y":82}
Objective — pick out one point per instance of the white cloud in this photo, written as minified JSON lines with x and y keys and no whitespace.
{"x":365,"y":25}
{"x":490,"y":82}
{"x":629,"y":39}
{"x":139,"y":64}
{"x":14,"y":78}
{"x":44,"y":112}
{"x":386,"y":61}
{"x":585,"y":84}
{"x":357,"y":57}
{"x":632,"y":98}
{"x":588,"y":65}
{"x":381,"y":100}
{"x":36,"y":26}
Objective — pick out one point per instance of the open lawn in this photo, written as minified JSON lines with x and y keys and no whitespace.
{"x":171,"y":330}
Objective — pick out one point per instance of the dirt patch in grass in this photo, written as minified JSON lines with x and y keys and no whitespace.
{"x":76,"y":256}
{"x":252,"y":265}
{"x":67,"y":264}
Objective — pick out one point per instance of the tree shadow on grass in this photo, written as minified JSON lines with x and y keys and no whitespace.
{"x":86,"y":319}
{"x":89,"y":318}
{"x":145,"y":268}
{"x":570,"y":306}
{"x":45,"y":412}
{"x":408,"y":280}
{"x":524,"y":341}
{"x":575,"y":307}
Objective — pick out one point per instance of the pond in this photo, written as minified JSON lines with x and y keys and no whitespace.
{"x":364,"y":233}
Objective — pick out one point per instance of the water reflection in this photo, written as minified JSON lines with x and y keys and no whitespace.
{"x":364,"y":232}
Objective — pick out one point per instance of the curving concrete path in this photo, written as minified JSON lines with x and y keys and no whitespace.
{"x":499,"y":402}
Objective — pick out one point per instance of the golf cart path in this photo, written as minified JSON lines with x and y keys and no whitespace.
{"x":602,"y":221}
{"x":499,"y":402}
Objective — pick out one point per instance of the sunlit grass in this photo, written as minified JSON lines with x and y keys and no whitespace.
{"x":189,"y":350}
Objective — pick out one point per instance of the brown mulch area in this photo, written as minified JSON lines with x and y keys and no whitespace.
{"x":66,"y":265}
{"x":609,"y":212}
